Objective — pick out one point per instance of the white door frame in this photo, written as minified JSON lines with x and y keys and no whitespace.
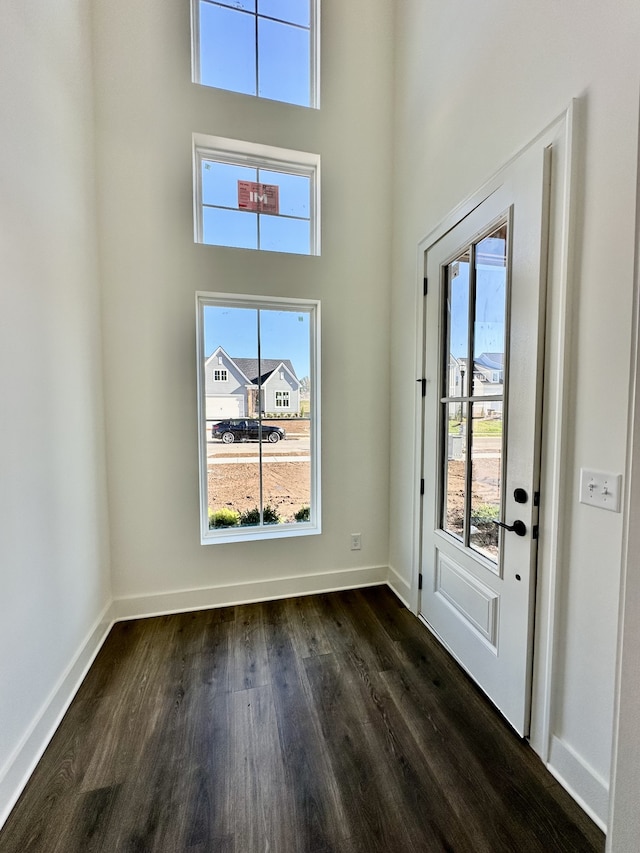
{"x":624,"y":816}
{"x":556,"y":491}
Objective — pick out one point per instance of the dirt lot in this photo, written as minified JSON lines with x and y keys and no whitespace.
{"x":485,"y":490}
{"x":286,"y":487}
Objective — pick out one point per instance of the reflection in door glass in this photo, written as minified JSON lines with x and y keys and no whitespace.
{"x":489,"y":313}
{"x":457,"y":325}
{"x":455,"y":471}
{"x":486,"y":472}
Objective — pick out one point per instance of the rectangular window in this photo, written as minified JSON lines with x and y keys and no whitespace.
{"x":259,"y":473}
{"x":220,"y":375}
{"x":266,"y":48}
{"x":251,"y":196}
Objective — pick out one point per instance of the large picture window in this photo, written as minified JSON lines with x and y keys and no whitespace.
{"x":258,"y":435}
{"x":267,"y":48}
{"x":251,"y":196}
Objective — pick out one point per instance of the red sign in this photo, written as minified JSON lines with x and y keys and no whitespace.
{"x":261,"y":198}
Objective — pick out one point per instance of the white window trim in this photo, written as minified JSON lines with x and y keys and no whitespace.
{"x":314,"y":56}
{"x":282,"y":405}
{"x":241,"y":153}
{"x":277,"y":531}
{"x":221,"y":378}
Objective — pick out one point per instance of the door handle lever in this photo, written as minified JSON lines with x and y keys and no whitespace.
{"x":518,"y":527}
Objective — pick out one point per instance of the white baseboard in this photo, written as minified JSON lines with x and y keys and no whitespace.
{"x":401,"y":587}
{"x":589,"y":789}
{"x":586,"y":786}
{"x":247,"y":592}
{"x":22,"y":762}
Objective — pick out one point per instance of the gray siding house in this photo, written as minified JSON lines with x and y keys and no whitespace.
{"x":244,"y":387}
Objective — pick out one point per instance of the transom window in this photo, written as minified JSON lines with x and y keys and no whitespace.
{"x":267,"y":48}
{"x":251,"y":196}
{"x":259,"y":442}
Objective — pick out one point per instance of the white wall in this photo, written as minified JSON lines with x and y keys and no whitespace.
{"x":53,"y":543}
{"x":151,"y":268}
{"x":474,"y":83}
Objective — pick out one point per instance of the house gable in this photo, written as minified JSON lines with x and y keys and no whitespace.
{"x":233,"y":380}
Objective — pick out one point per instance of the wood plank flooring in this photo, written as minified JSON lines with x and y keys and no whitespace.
{"x":324,"y":723}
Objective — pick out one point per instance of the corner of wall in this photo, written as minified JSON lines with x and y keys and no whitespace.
{"x":401,"y":588}
{"x":21,"y":764}
{"x":246,"y":592}
{"x":587,"y":788}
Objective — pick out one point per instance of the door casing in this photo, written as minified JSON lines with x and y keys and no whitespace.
{"x":559,"y":136}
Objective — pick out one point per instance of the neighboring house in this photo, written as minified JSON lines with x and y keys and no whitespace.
{"x":244,"y":387}
{"x":488,"y":376}
{"x":488,"y":371}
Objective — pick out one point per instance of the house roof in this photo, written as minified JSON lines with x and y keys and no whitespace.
{"x":493,"y":360}
{"x":249,"y":366}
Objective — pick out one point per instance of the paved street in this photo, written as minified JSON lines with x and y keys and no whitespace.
{"x":291,"y":449}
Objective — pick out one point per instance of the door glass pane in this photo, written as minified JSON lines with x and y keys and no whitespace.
{"x":490,"y":313}
{"x":457,"y":320}
{"x":453,"y":510}
{"x":486,"y":478}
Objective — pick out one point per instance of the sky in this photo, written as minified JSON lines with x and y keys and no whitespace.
{"x":489,"y":324}
{"x":228,"y":48}
{"x":283,"y":334}
{"x":228,"y":61}
{"x":263,"y":48}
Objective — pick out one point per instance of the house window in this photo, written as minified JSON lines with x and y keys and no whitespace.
{"x":251,"y":196}
{"x":268,"y":487}
{"x":220,"y":375}
{"x":267,"y":48}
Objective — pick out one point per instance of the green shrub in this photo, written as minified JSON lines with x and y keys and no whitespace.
{"x":223,"y":517}
{"x":270,"y":515}
{"x":484,"y":514}
{"x":252,"y":516}
{"x":303,"y":514}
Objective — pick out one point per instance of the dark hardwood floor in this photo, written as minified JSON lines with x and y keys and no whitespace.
{"x":325,"y":723}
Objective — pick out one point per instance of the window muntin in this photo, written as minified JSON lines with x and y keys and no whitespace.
{"x":265,"y":48}
{"x":260,"y":484}
{"x":222,"y":166}
{"x":220,"y":375}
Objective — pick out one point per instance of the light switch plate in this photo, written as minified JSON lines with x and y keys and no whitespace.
{"x":600,"y":489}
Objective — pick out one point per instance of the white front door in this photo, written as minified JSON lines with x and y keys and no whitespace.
{"x":481,"y":452}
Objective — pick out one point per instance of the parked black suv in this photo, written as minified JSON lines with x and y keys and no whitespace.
{"x":246,"y":430}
